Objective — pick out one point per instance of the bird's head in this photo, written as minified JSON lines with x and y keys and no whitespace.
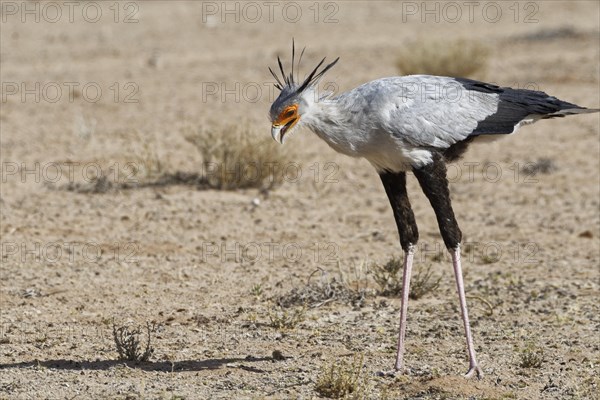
{"x":295,"y":98}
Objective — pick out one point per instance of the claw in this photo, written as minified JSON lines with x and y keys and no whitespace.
{"x":474,"y":370}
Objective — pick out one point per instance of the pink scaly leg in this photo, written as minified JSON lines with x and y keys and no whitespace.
{"x":408,"y":261}
{"x":473,"y":367}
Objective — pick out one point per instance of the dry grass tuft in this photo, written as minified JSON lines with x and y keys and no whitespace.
{"x":549,"y":34}
{"x":341,"y":379}
{"x":317,"y":294}
{"x":541,"y":166}
{"x":532,"y":357}
{"x":460,"y":58}
{"x":389,"y":279}
{"x":236,"y":157}
{"x":423,"y":282}
{"x":239,"y":157}
{"x":285,"y":319}
{"x":147,"y":164}
{"x":490,"y":258}
{"x":128,"y":343}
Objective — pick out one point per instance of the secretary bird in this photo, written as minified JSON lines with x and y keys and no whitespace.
{"x":411,"y":123}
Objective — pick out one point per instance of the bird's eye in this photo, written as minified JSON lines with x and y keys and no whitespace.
{"x":289,"y":113}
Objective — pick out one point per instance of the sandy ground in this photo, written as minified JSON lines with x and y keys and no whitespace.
{"x":206,"y":267}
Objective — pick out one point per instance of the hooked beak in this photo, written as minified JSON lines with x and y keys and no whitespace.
{"x":278,"y":131}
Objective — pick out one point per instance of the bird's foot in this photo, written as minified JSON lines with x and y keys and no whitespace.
{"x":398,"y":370}
{"x":474,"y":370}
{"x":388,"y":374}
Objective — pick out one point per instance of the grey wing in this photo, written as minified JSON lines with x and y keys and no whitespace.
{"x":439,"y":111}
{"x":517,"y":107}
{"x":433,"y":111}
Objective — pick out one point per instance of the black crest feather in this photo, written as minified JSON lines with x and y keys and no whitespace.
{"x":289,"y":81}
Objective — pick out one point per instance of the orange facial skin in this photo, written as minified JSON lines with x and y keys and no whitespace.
{"x":287,"y":119}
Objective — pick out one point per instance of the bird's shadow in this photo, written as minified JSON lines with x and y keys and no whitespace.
{"x":162,"y":366}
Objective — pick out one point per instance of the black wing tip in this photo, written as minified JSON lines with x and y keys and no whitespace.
{"x":575,"y":110}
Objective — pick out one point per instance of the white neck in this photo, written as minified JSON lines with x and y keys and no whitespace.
{"x":352,"y":127}
{"x":327,"y":118}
